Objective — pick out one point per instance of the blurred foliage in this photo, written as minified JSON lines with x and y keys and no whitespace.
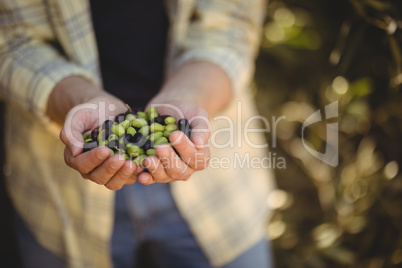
{"x":314,"y":53}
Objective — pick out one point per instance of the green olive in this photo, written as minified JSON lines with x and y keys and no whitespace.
{"x":156,"y":127}
{"x":130,"y":117}
{"x":161,"y":140}
{"x":139,"y":122}
{"x":133,"y":150}
{"x":166,"y":133}
{"x":104,"y":143}
{"x":144,"y":130}
{"x":131,"y":131}
{"x":151,"y":113}
{"x":86,"y":136}
{"x":151,"y":152}
{"x":125,"y":124}
{"x":118,"y":130}
{"x":113,"y":137}
{"x":142,"y":115}
{"x":170,"y":120}
{"x":155,"y":136}
{"x":171,"y":127}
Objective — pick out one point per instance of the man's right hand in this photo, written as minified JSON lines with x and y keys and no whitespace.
{"x":89,"y":108}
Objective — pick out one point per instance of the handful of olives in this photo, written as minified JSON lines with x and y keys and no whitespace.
{"x":134,"y":135}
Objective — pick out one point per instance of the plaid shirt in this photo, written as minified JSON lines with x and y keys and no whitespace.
{"x":44,"y":41}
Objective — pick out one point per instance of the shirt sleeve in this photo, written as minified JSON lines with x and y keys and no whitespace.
{"x":30,"y":62}
{"x":227,"y":33}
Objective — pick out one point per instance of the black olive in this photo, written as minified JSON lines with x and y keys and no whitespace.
{"x":148,"y":145}
{"x":163,"y":117}
{"x":107,"y":124}
{"x":138,"y":139}
{"x":113,"y":144}
{"x":184,"y":126}
{"x":89,"y":146}
{"x":126,"y":139}
{"x":94,"y":134}
{"x":158,"y":120}
{"x":120,"y":118}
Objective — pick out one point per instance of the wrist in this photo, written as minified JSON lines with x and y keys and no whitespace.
{"x":68,"y":93}
{"x":200,"y":83}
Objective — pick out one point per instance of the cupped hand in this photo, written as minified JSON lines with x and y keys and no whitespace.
{"x":167,"y":165}
{"x":96,"y":165}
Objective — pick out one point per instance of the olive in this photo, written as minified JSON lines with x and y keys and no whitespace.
{"x":113,"y":144}
{"x":142,"y":115}
{"x":125,"y":139}
{"x":158,"y":120}
{"x":133,"y":150}
{"x":130,"y":117}
{"x":120,"y":118}
{"x":166,"y":133}
{"x":139,"y":122}
{"x":94,"y":134}
{"x":144,"y":130}
{"x":125,"y":124}
{"x":151,"y":113}
{"x":169,"y":120}
{"x":89,"y":146}
{"x":139,"y":139}
{"x":163,"y":117}
{"x":151,"y":152}
{"x":118,"y":129}
{"x":156,"y":127}
{"x":161,"y":140}
{"x":148,"y":145}
{"x":86,"y":136}
{"x":184,"y":126}
{"x":113,"y":137}
{"x":107,"y":124}
{"x":104,"y":143}
{"x":131,"y":131}
{"x":155,"y":136}
{"x":171,"y":127}
{"x":103,"y":135}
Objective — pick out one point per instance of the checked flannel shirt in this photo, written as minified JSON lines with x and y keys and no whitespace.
{"x":44,"y":41}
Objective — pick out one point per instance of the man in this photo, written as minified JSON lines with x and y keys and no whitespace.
{"x":49,"y":74}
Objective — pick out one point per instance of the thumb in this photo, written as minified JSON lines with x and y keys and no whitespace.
{"x":200,"y":131}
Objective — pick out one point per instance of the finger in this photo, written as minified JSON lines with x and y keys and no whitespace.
{"x":156,"y":170}
{"x":73,"y":140}
{"x":200,"y":131}
{"x":86,"y":162}
{"x":197,"y":159}
{"x":173,"y":166}
{"x":71,"y":134}
{"x":103,"y":173}
{"x":122,"y":176}
{"x":145,"y":178}
{"x":134,"y":177}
